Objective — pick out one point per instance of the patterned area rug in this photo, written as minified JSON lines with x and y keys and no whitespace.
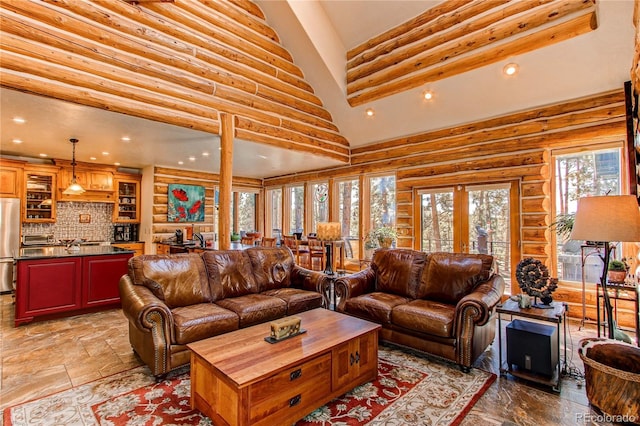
{"x":409,"y":390}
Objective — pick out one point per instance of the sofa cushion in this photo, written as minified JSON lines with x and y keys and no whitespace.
{"x":255,"y":308}
{"x":230,"y":273}
{"x":271,"y":266}
{"x":297,"y":300}
{"x":375,"y":306}
{"x":448,"y":277}
{"x":197,"y":322}
{"x":179,"y":280}
{"x":425,"y":316}
{"x":398,"y":271}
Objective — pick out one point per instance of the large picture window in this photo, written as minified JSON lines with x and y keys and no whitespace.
{"x":581,"y":174}
{"x":348,"y":193}
{"x":382,"y":199}
{"x":273,"y":209}
{"x":296,"y":209}
{"x":319,"y":193}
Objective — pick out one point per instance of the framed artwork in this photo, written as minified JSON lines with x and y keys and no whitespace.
{"x":185,"y":203}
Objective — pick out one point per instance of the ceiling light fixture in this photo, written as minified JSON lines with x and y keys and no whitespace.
{"x":181,"y":162}
{"x":428,"y":95}
{"x":74,"y":188}
{"x":19,"y":120}
{"x":125,"y":139}
{"x":192,"y":158}
{"x":105,"y":153}
{"x":93,"y":158}
{"x":43,"y":155}
{"x":510,"y":69}
{"x":116,"y":164}
{"x":17,"y":141}
{"x":370,"y":112}
{"x":205,"y":154}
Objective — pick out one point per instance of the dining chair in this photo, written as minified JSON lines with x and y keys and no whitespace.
{"x":247,"y":241}
{"x":316,"y":251}
{"x":268,"y":242}
{"x":300,"y":252}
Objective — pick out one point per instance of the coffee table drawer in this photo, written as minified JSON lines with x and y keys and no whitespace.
{"x":292,"y":393}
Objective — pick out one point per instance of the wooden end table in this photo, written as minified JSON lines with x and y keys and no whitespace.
{"x":556,"y":315}
{"x":240,"y":379}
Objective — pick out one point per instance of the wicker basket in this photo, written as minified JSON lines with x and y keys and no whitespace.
{"x":612,"y":377}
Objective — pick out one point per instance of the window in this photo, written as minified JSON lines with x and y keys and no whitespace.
{"x":273,"y":208}
{"x":437,"y":221}
{"x":580,"y":174}
{"x":348,"y":198}
{"x":319,"y":204}
{"x":296,"y":209}
{"x":382,"y":199}
{"x":246,"y":211}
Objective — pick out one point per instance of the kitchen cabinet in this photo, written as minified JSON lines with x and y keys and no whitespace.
{"x":11,"y":174}
{"x":47,"y":286}
{"x":138,"y":248}
{"x":127,"y":200}
{"x":39,"y":200}
{"x":354,"y":359}
{"x":162,"y":248}
{"x":101,"y":277}
{"x":55,"y":286}
{"x":98,"y":182}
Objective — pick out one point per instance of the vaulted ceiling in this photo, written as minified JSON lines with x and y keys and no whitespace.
{"x":354,"y":55}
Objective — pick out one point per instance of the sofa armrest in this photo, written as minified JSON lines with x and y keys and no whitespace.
{"x":307,"y":279}
{"x":353,"y":285}
{"x":144,"y":309}
{"x":480,"y":304}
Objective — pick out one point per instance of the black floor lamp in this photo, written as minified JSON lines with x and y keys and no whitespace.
{"x":605,"y":219}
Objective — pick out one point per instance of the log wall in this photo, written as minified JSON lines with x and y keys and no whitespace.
{"x":161,"y":228}
{"x":183,"y":62}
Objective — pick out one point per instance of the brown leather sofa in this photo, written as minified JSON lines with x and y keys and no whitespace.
{"x":439,"y":303}
{"x":173,"y":300}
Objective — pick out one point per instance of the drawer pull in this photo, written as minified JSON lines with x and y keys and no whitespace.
{"x":351,"y":359}
{"x":295,"y":400}
{"x":295,"y":374}
{"x":357,"y":357}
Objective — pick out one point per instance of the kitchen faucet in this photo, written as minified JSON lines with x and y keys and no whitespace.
{"x":198,"y":236}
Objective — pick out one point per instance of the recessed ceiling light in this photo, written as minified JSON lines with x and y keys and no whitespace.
{"x":17,"y":141}
{"x":192,"y":158}
{"x":180,"y":162}
{"x":43,"y":155}
{"x":205,"y":154}
{"x":428,"y":95}
{"x":116,"y":164}
{"x":19,"y":120}
{"x":264,"y":157}
{"x":125,"y":139}
{"x":370,"y":112}
{"x":105,"y":153}
{"x":93,"y":158}
{"x":510,"y":69}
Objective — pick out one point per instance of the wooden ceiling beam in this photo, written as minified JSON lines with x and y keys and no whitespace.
{"x":542,"y":38}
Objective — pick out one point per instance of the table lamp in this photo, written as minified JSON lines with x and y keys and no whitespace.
{"x":327,"y":232}
{"x":604,"y":219}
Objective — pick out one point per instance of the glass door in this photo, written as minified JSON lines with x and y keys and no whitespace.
{"x":470,"y":219}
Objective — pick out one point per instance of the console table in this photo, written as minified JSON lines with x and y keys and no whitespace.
{"x":556,"y":315}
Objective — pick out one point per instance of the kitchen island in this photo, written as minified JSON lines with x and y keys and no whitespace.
{"x":54,"y":282}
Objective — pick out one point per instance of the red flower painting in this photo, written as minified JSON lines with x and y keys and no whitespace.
{"x":185,"y":203}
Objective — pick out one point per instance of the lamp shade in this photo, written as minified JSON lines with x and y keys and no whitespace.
{"x":328,"y":231}
{"x":607,"y":218}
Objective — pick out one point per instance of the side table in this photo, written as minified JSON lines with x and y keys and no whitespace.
{"x":557,"y":315}
{"x":618,"y":291}
{"x":329,"y":296}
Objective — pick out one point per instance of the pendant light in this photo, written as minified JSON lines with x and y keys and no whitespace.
{"x":74,"y":188}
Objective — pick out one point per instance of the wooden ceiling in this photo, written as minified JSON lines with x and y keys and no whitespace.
{"x":457,"y":36}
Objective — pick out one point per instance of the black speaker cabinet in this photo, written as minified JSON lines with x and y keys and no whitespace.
{"x":532,"y":347}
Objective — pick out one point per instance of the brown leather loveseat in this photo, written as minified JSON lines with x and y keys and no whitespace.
{"x":172,"y":300}
{"x":440,"y":303}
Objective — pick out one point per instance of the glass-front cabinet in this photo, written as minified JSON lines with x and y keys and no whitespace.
{"x":127,"y":205}
{"x":39,"y":202}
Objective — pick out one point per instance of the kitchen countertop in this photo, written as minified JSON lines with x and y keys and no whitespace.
{"x":30,"y":253}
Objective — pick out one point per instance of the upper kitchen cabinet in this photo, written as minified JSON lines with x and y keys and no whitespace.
{"x":97,"y":181}
{"x":127,"y":207}
{"x":39,"y":201}
{"x":11,"y":173}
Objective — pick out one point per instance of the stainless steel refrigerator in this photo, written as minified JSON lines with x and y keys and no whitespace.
{"x":9,"y":240}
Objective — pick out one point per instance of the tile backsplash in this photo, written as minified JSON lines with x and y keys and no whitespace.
{"x":67,"y":226}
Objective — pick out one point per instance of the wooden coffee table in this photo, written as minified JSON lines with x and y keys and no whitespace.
{"x":240,"y":379}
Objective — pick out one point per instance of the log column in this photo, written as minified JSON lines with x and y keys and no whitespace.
{"x":226,"y":173}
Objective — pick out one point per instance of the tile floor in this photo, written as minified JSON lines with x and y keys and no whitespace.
{"x":45,"y":357}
